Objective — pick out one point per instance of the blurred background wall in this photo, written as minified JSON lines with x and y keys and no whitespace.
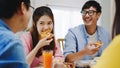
{"x":67,"y":14}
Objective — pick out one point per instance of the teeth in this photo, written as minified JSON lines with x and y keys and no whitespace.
{"x":87,"y":20}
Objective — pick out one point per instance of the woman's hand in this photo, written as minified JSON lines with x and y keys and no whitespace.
{"x":45,"y":41}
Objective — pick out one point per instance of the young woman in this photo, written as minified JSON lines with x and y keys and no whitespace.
{"x":43,"y":20}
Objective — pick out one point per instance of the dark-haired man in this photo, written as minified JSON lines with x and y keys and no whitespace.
{"x":14,"y":17}
{"x":80,"y":42}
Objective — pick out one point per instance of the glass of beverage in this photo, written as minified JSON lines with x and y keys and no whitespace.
{"x":47,"y":58}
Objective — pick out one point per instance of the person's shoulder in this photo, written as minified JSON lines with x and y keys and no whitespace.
{"x":26,"y":35}
{"x":117,"y":38}
{"x":115,"y":42}
{"x":102,"y":30}
{"x":8,"y":37}
{"x":77,"y":28}
{"x":7,"y":34}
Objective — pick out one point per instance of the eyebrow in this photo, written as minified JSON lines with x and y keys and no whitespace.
{"x":89,"y":10}
{"x":44,"y":21}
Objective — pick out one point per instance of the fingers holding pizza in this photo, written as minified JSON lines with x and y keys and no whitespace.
{"x":98,"y":43}
{"x":46,"y":33}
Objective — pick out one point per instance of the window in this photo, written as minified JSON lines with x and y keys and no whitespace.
{"x":65,"y":18}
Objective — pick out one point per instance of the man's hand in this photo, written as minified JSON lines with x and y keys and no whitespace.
{"x":92,"y":49}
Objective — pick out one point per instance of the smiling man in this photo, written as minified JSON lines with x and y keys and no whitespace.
{"x":80,"y":42}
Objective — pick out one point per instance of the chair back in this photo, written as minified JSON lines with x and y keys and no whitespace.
{"x":61,"y":42}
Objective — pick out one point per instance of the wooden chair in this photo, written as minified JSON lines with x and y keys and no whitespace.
{"x":61,"y":42}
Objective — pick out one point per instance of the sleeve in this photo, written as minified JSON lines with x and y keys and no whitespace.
{"x":26,"y":43}
{"x":70,"y":43}
{"x":12,"y":55}
{"x":105,"y":37}
{"x":58,"y":52}
{"x":111,"y":55}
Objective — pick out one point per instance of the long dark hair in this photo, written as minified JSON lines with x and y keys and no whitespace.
{"x":116,"y":24}
{"x":40,"y":11}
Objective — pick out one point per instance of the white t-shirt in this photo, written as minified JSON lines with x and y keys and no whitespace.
{"x":92,"y":39}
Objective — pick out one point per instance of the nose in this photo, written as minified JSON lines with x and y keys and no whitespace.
{"x":46,"y":27}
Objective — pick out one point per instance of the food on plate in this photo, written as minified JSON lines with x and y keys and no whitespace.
{"x":69,"y":65}
{"x":45,"y":33}
{"x":59,"y":65}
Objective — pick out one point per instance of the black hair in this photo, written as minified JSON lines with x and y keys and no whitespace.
{"x":40,"y":11}
{"x":92,"y":3}
{"x":116,"y":23}
{"x":9,"y":7}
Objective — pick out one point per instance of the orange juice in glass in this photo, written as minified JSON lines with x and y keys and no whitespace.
{"x":47,"y":58}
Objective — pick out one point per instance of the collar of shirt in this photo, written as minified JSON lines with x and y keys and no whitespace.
{"x":97,"y":31}
{"x":4,"y":25}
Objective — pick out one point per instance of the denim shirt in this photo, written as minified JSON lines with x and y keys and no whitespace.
{"x":11,"y":49}
{"x":76,"y":40}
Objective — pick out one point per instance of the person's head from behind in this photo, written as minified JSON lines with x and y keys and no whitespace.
{"x":116,"y":23}
{"x":15,"y":8}
{"x":43,"y":20}
{"x":91,"y":12}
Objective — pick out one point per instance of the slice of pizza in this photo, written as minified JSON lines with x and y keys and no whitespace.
{"x":45,"y":33}
{"x":99,"y":43}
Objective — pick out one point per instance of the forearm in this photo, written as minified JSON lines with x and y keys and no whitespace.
{"x":30,"y":57}
{"x":76,"y":56}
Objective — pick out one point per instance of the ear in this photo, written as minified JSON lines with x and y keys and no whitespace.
{"x":34,"y":23}
{"x":22,"y":9}
{"x":99,"y":14}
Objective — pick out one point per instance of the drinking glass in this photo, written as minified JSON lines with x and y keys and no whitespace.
{"x":47,"y":58}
